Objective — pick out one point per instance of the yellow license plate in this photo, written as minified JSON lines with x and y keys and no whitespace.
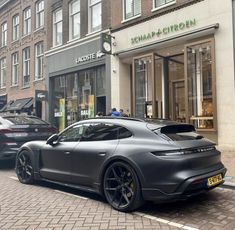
{"x":214,"y":180}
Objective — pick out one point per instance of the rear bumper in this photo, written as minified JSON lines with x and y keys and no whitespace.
{"x":188,"y":188}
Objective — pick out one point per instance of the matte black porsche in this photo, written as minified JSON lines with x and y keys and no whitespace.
{"x":126,"y":160}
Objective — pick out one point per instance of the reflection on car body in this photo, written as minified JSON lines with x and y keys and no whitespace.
{"x":125,"y":159}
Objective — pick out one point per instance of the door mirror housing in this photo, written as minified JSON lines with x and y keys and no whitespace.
{"x":53,"y":139}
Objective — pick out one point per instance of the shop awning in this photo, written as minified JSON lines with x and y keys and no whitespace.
{"x":20,"y":104}
{"x":6,"y":107}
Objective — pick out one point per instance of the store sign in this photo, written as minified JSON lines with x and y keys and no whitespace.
{"x":41,"y":95}
{"x":163,"y":31}
{"x":89,"y":57}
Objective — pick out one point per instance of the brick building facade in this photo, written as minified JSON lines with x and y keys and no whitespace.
{"x":23,"y":42}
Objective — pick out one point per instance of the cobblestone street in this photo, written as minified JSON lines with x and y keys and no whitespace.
{"x":46,"y":206}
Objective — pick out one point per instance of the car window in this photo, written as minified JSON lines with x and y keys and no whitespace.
{"x":72,"y":135}
{"x":23,"y":120}
{"x":124,"y":133}
{"x":100,"y":132}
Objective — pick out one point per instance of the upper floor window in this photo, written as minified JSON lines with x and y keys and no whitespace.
{"x":74,"y":20}
{"x":39,"y":60}
{"x":57,"y":27}
{"x":132,"y":8}
{"x":15,"y":27}
{"x":26,"y":66}
{"x":95,"y":15}
{"x":3,"y":73}
{"x":27,"y":21}
{"x":39,"y":14}
{"x":162,"y":3}
{"x":4,"y":34}
{"x":15,"y":69}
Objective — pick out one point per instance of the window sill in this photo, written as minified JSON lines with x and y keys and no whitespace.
{"x":25,"y":87}
{"x":25,"y":36}
{"x":15,"y":41}
{"x":38,"y":80}
{"x":73,"y":40}
{"x":163,"y":6}
{"x":14,"y":86}
{"x":130,"y":19}
{"x":39,"y":29}
{"x":3,"y":88}
{"x":94,"y":32}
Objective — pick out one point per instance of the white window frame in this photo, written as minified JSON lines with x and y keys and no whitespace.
{"x":15,"y":69}
{"x":3,"y":66}
{"x":39,"y":61}
{"x":4,"y":34}
{"x":27,"y":21}
{"x":135,"y":15}
{"x":15,"y":27}
{"x":56,"y":24}
{"x":39,"y":14}
{"x":91,"y":6}
{"x":72,"y":16}
{"x":26,"y":67}
{"x":171,"y":2}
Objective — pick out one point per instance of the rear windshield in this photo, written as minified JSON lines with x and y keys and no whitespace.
{"x":20,"y":120}
{"x":179,"y":132}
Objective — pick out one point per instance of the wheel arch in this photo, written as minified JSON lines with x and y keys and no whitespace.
{"x":124,"y":160}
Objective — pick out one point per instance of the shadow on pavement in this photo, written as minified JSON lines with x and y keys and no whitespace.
{"x":73,"y":191}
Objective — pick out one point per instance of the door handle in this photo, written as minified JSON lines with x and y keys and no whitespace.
{"x":67,"y":153}
{"x":102,"y":154}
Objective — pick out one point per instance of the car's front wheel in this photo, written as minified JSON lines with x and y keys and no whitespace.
{"x":121,"y":187}
{"x":24,"y":167}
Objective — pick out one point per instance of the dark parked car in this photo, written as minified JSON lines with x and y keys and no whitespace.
{"x":15,"y":130}
{"x":126,"y":160}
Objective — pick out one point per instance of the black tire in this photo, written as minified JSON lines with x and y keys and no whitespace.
{"x":122,"y":188}
{"x":24,"y":167}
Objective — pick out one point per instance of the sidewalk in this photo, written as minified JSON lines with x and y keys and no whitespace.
{"x":228,"y":159}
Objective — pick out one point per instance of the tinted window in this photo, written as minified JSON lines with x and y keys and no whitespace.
{"x":73,"y":134}
{"x":124,"y":133}
{"x":21,"y":120}
{"x":100,"y":132}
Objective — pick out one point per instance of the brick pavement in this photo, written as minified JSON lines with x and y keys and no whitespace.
{"x":228,"y":158}
{"x":38,"y":207}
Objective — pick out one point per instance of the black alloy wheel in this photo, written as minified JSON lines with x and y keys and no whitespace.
{"x":24,"y":168}
{"x":122,"y":187}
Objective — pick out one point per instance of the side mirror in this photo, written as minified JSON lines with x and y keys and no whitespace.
{"x":52,"y":139}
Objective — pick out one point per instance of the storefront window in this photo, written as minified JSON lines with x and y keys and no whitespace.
{"x":78,"y":96}
{"x":143,"y":86}
{"x":200,"y":95}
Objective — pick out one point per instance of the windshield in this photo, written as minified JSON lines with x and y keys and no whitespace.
{"x":22,"y":120}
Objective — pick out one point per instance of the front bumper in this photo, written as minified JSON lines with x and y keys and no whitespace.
{"x":188,"y":188}
{"x":8,"y":153}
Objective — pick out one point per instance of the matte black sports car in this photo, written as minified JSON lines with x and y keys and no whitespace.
{"x":126,"y":160}
{"x":15,"y":130}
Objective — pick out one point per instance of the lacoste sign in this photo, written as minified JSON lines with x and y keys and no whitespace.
{"x":89,"y":57}
{"x":158,"y":32}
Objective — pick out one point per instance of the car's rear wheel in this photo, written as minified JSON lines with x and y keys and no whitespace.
{"x":121,"y":187}
{"x":24,"y":167}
